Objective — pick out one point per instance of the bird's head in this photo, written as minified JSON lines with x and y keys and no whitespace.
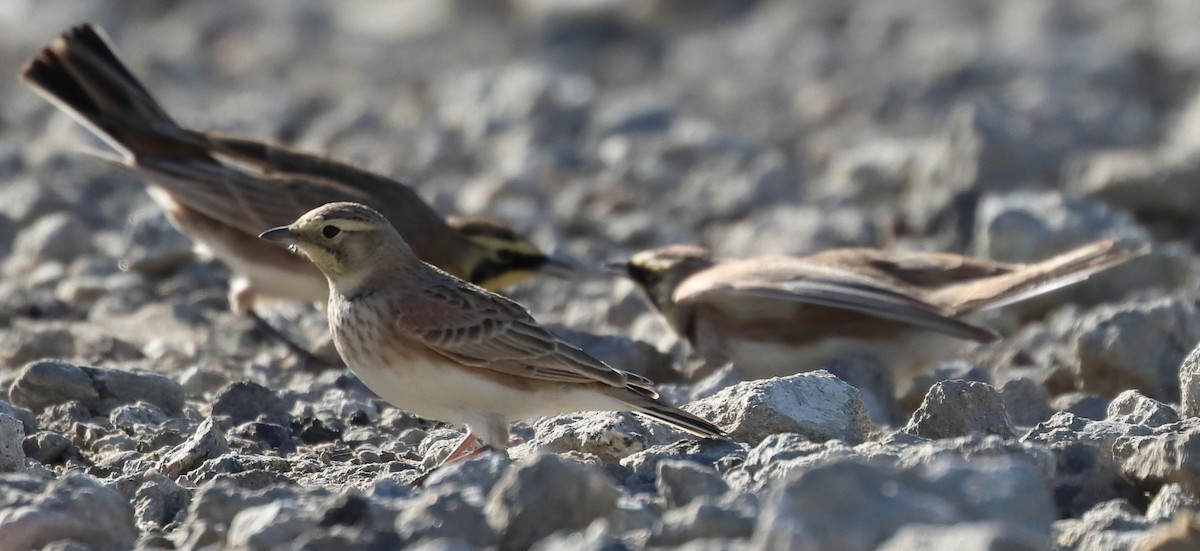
{"x":503,"y":257}
{"x":344,"y":241}
{"x":659,"y":271}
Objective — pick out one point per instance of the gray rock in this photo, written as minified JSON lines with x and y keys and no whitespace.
{"x":48,"y":382}
{"x":1085,"y":471}
{"x":28,"y":419}
{"x":597,"y":537}
{"x":1083,"y":404}
{"x":717,"y":453}
{"x":959,"y":408}
{"x":73,"y":508}
{"x":1025,"y":401}
{"x":547,"y":493}
{"x":481,"y":472}
{"x":246,"y":401}
{"x":1189,"y":384}
{"x":1142,"y":182}
{"x":1066,"y":427}
{"x":872,"y":174}
{"x":1028,"y":226}
{"x":981,"y":149}
{"x":1109,"y":525}
{"x":608,"y":435}
{"x":856,"y":506}
{"x":681,"y":482}
{"x":268,"y":526}
{"x":116,"y":387}
{"x":12,"y":437}
{"x":704,"y":519}
{"x":137,"y":418}
{"x":58,"y":237}
{"x":1134,"y":408}
{"x":969,"y":536}
{"x":1025,"y":226}
{"x":781,"y":456}
{"x":1085,"y":475}
{"x":19,"y":348}
{"x":1170,"y":500}
{"x":154,"y":247}
{"x":47,"y":447}
{"x":815,"y":404}
{"x":1138,"y":344}
{"x":453,"y":513}
{"x":207,"y":442}
{"x":1171,"y":455}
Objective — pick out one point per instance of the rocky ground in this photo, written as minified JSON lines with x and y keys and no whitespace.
{"x":141,"y":412}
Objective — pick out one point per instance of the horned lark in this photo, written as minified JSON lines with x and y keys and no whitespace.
{"x":445,"y":349}
{"x":777,"y":316}
{"x":221,"y":191}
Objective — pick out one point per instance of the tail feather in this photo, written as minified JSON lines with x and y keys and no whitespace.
{"x":80,"y":73}
{"x":1031,"y":280}
{"x":679,"y":419}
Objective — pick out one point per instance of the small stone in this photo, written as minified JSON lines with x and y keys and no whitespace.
{"x":1170,"y":500}
{"x":206,"y":443}
{"x":481,"y":471}
{"x":46,"y":447}
{"x":681,"y":482}
{"x":967,"y":536}
{"x":1137,"y":344}
{"x":960,"y":408}
{"x":348,"y":510}
{"x":245,"y":401}
{"x":608,"y":435}
{"x":1025,"y":401}
{"x":1111,"y":524}
{"x":116,"y":387}
{"x":17,"y":348}
{"x":72,"y":508}
{"x":703,"y":519}
{"x":58,"y":237}
{"x":852,"y":505}
{"x":1189,"y":384}
{"x":269,"y":526}
{"x":449,"y":513}
{"x":1172,"y":454}
{"x":1134,"y":408}
{"x":48,"y":382}
{"x":1083,"y":404}
{"x":547,"y":493}
{"x":815,"y":404}
{"x":12,"y":436}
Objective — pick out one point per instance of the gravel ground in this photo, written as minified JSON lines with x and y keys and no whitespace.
{"x":141,"y":412}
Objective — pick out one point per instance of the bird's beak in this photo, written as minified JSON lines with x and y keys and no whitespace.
{"x":282,"y":234}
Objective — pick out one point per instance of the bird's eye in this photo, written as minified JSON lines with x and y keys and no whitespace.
{"x":330,"y":231}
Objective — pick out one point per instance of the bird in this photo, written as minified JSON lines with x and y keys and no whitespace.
{"x":777,"y":316}
{"x":220,"y":191}
{"x":446,"y":349}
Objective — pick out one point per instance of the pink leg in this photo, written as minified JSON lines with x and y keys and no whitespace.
{"x":461,"y":449}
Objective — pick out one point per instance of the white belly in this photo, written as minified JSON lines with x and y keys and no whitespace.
{"x":445,"y":393}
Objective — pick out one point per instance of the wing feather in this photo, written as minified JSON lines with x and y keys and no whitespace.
{"x":489,"y":331}
{"x":847,"y":293}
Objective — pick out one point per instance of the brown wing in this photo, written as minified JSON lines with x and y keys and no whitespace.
{"x":488,"y":331}
{"x":798,"y":281}
{"x":918,"y":269}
